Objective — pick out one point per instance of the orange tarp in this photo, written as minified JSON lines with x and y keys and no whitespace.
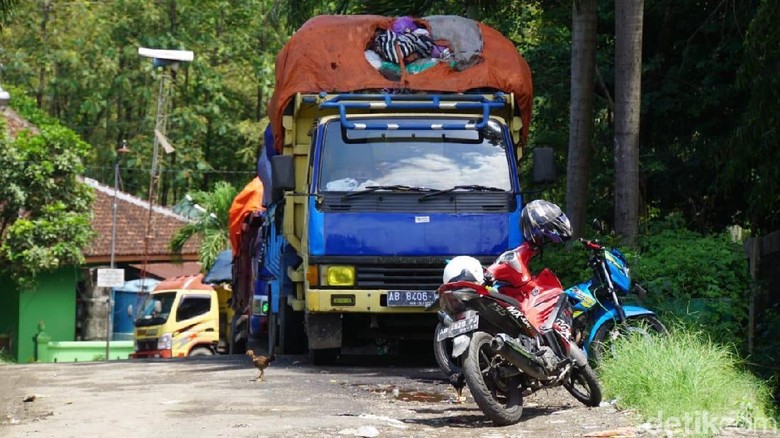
{"x":327,"y":54}
{"x":248,"y":200}
{"x":189,"y":282}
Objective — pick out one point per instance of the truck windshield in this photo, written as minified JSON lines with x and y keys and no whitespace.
{"x":354,"y":160}
{"x":151,"y":314}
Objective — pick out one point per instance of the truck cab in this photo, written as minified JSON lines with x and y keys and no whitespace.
{"x":392,"y":196}
{"x":178,"y":322}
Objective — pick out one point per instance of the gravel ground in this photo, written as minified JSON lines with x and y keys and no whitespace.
{"x":219,"y":397}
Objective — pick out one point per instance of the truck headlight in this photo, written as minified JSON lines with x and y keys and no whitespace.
{"x":337,"y":275}
{"x":165,"y":342}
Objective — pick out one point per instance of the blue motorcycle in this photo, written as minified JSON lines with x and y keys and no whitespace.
{"x":599,"y":315}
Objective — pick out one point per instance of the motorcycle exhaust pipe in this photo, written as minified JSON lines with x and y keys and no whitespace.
{"x":514,"y":353}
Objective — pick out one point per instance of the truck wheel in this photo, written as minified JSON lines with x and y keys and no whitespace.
{"x":293,"y":336}
{"x":324,"y":356}
{"x":201,"y":351}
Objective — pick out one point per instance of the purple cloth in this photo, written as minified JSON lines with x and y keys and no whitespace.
{"x":403,"y":24}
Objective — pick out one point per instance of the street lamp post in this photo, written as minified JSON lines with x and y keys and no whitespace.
{"x":119,"y":153}
{"x":5,"y":96}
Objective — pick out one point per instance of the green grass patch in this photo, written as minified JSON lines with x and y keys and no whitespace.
{"x":685,"y":384}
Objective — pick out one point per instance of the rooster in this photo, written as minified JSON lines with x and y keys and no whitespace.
{"x":458,"y":381}
{"x":260,"y":362}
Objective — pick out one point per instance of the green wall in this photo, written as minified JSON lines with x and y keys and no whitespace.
{"x":53,"y":302}
{"x":9,"y":314}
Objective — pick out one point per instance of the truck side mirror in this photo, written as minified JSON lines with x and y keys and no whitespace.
{"x":543,"y":166}
{"x":282,"y":175}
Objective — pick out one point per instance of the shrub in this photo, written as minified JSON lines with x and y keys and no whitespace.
{"x":702,"y":279}
{"x":685,"y":381}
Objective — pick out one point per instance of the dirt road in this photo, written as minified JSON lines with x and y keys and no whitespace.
{"x":219,"y":397}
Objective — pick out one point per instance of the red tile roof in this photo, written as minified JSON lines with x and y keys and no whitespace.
{"x":169,"y":270}
{"x":132,"y":216}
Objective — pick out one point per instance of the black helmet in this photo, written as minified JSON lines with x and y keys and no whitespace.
{"x":543,"y":222}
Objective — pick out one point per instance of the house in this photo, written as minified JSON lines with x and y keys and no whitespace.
{"x":67,"y":302}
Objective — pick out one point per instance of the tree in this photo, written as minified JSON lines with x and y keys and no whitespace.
{"x":212,"y":225}
{"x":583,"y":67}
{"x":752,"y":156}
{"x":6,"y":7}
{"x":628,"y":86}
{"x":45,"y":209}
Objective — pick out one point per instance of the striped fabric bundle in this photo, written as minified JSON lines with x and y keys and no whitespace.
{"x":407,"y":43}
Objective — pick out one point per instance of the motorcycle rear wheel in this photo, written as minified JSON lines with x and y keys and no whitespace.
{"x":644,"y":325}
{"x":501,"y":400}
{"x":583,"y":385}
{"x":442,"y":351}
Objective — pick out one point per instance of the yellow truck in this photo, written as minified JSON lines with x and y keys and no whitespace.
{"x":183,"y":317}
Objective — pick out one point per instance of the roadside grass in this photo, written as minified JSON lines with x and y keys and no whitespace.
{"x":685,"y":384}
{"x":5,"y":358}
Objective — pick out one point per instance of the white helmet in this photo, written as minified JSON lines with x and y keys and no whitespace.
{"x":463,"y":268}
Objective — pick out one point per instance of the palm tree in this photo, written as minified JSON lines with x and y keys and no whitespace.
{"x":210,"y":224}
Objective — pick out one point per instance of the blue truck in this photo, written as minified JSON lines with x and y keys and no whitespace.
{"x":370,"y":190}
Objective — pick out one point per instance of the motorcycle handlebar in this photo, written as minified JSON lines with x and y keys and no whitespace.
{"x":591,"y":244}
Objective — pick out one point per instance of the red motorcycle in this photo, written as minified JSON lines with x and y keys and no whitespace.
{"x":509,"y":334}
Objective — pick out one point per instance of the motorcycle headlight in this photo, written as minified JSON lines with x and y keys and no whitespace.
{"x":165,"y":342}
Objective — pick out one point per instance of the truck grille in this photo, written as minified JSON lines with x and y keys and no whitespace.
{"x":405,"y":277}
{"x":146,"y":344}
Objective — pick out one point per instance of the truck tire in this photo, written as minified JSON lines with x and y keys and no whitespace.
{"x":201,"y":351}
{"x":293,"y":336}
{"x":324,"y":356}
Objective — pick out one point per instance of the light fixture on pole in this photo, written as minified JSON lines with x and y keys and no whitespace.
{"x":119,"y":154}
{"x":5,"y":96}
{"x":162,"y":59}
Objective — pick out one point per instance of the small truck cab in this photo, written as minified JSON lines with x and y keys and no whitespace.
{"x":180,"y":321}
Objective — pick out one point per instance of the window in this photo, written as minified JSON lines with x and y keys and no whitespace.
{"x":191,"y":306}
{"x":433,"y":159}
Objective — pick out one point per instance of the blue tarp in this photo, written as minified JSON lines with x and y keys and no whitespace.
{"x":136,"y":285}
{"x":222,"y":271}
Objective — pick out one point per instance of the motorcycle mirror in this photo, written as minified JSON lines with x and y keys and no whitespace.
{"x":598,"y":226}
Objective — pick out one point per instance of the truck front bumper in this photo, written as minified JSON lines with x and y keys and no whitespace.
{"x":151,"y":354}
{"x":355,"y":301}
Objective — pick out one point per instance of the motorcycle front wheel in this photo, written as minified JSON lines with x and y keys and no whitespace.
{"x":643,"y":325}
{"x":583,"y":385}
{"x":500,"y":399}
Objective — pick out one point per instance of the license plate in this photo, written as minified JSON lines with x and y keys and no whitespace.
{"x":459,"y":327}
{"x":410,"y":298}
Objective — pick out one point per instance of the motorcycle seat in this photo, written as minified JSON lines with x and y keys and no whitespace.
{"x":505,"y":298}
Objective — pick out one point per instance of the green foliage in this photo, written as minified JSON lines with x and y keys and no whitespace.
{"x":703,"y":280}
{"x":753,"y":153}
{"x":684,"y":375}
{"x":212,"y":226}
{"x":46,"y":210}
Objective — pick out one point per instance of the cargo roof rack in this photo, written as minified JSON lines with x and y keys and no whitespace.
{"x":449,"y":102}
